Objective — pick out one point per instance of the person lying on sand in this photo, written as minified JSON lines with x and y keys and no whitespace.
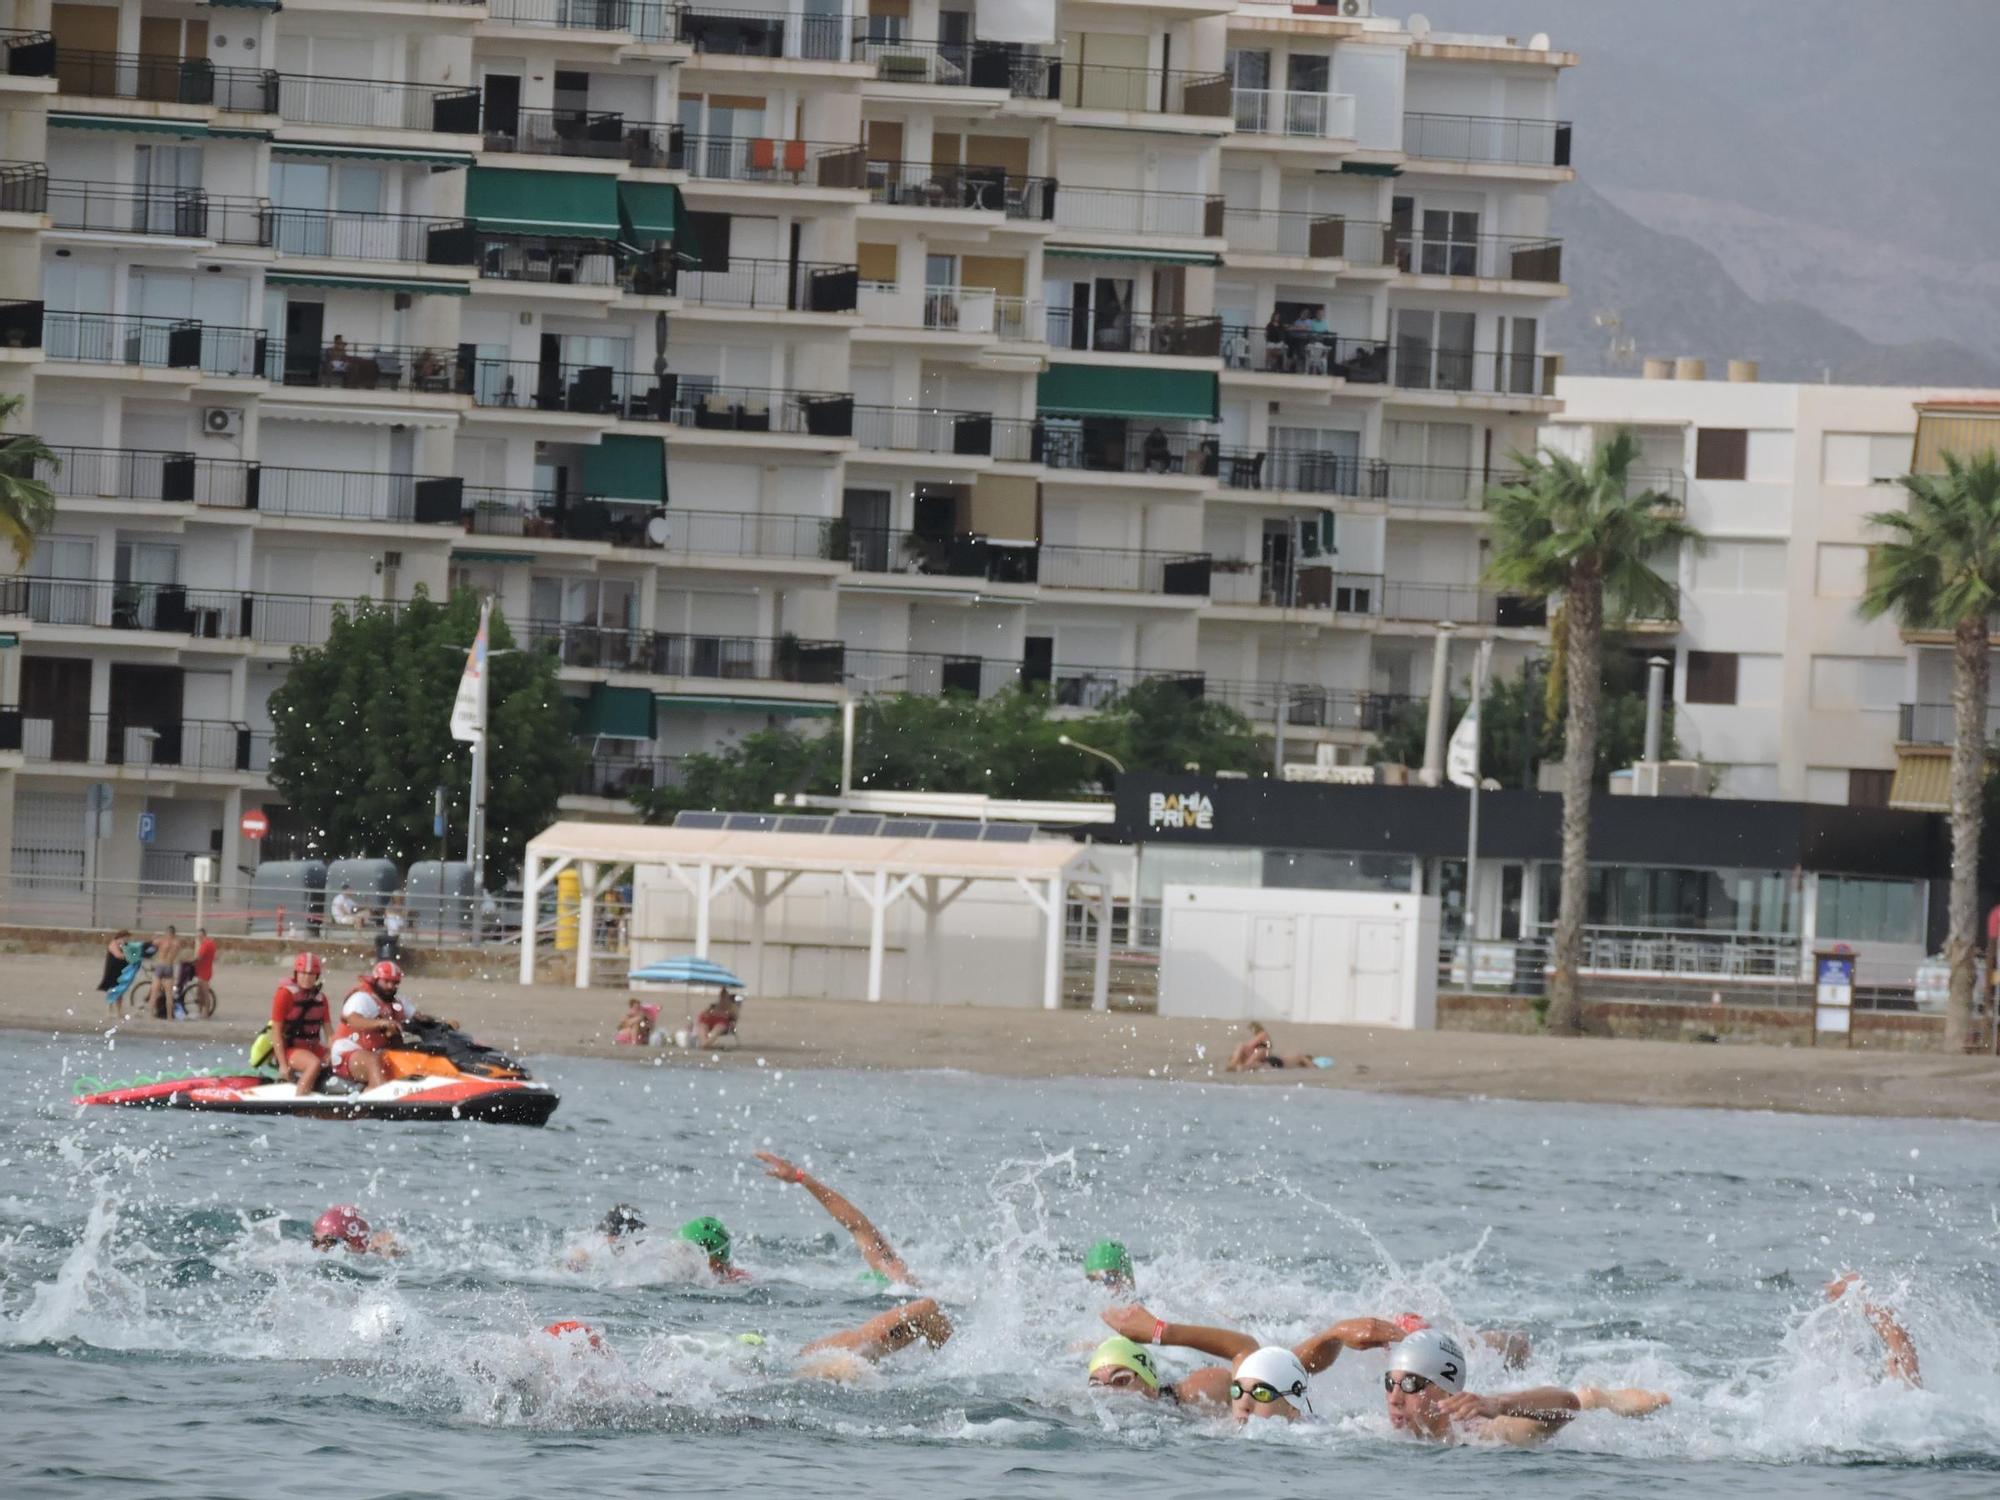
{"x":882,"y":1260}
{"x":1901,"y":1363}
{"x":1425,"y":1390}
{"x":1255,"y":1054}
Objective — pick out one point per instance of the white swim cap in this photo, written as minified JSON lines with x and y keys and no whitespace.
{"x":1433,"y":1355}
{"x":1279,"y":1368}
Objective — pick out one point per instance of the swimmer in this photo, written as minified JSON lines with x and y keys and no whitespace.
{"x":882,"y":1260}
{"x":343,"y":1225}
{"x":1901,"y":1363}
{"x":1109,"y":1264}
{"x":1255,"y":1054}
{"x":1125,"y":1363}
{"x":844,"y":1356}
{"x":711,"y":1236}
{"x":1512,"y":1345}
{"x":1425,"y":1388}
{"x":617,"y":1225}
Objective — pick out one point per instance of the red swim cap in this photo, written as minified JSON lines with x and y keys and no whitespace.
{"x":341,"y":1224}
{"x":572,"y":1325}
{"x":1409,"y":1322}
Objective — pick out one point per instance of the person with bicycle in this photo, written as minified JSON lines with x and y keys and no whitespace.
{"x":194,"y":988}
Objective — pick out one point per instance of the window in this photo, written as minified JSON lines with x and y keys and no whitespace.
{"x":1741,"y":568}
{"x":1871,"y":683}
{"x":1711,"y":677}
{"x":1863,"y":909}
{"x":1450,"y":243}
{"x":1433,"y":349}
{"x":1864,"y":457}
{"x":1721,"y":453}
{"x":1869,"y":788}
{"x":1247,"y":69}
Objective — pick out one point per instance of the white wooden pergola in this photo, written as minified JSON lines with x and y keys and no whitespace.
{"x":713,"y":864}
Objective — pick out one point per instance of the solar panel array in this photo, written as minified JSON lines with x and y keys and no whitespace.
{"x":861,"y":825}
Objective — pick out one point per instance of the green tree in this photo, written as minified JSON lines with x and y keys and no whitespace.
{"x":1578,"y":530}
{"x":1159,"y":726}
{"x":361,"y":734}
{"x":1939,"y":569}
{"x":27,"y":504}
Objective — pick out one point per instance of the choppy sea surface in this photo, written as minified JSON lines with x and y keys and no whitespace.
{"x":167,"y":1330}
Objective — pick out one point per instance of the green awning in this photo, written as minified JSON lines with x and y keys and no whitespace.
{"x":651,"y":213}
{"x":627,"y":468}
{"x":501,"y":200}
{"x":618,"y":713}
{"x":1102,"y":391}
{"x":1371,"y":169}
{"x":460,"y":554}
{"x":374,"y":153}
{"x":271,"y":5}
{"x":1153,"y":257}
{"x":130,"y":125}
{"x":754,"y":705}
{"x":369,"y":284}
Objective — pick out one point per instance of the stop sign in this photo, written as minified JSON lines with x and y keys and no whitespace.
{"x":255,"y":825}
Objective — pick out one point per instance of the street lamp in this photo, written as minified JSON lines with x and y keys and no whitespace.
{"x":1109,"y":759}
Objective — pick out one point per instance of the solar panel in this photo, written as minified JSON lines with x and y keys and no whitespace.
{"x":1008,"y":833}
{"x":955,"y":830}
{"x":796,"y":824}
{"x":751,"y":822}
{"x":855,"y":823}
{"x":906,"y":828}
{"x":692,"y":819}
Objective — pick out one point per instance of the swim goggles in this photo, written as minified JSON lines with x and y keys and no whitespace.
{"x":1262,"y":1393}
{"x":1406,"y":1382}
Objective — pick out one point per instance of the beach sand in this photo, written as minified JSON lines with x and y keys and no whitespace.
{"x":52,"y":993}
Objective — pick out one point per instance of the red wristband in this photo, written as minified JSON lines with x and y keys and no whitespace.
{"x":1159,"y":1330}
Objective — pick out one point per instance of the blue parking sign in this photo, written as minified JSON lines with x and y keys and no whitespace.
{"x":149,"y":824}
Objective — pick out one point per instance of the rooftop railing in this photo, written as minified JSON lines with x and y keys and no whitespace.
{"x":1507,"y":257}
{"x":1123,"y":331}
{"x":1487,"y":138}
{"x":912,"y":184}
{"x":1023,"y":72}
{"x":1135,"y":211}
{"x":1302,"y":112}
{"x":1171,"y":91}
{"x":154,"y":343}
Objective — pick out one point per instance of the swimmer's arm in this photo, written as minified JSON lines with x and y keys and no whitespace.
{"x":1320,"y":1351}
{"x":1549,"y":1406}
{"x":1623,"y":1401}
{"x":1512,"y":1345}
{"x":1138,"y":1324}
{"x":867,"y":1238}
{"x":1902,"y":1361}
{"x":887,"y":1332}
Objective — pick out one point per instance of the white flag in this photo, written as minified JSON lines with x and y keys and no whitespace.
{"x":1461,"y":757}
{"x":468,"y":719}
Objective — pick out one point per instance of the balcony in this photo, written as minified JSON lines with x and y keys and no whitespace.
{"x":147,"y":474}
{"x":547,"y":260}
{"x":955,"y":309}
{"x":171,"y":213}
{"x":155,"y":343}
{"x":166,"y":80}
{"x":1295,"y":112}
{"x":589,"y":134}
{"x":269,"y":489}
{"x":1125,"y":570}
{"x":1463,"y":604}
{"x":1242,"y":583}
{"x":1937,"y":724}
{"x":30,"y":54}
{"x":723,"y":533}
{"x":741,"y":658}
{"x":1116,"y":446}
{"x":725,"y":31}
{"x":339,"y":234}
{"x":544,"y":514}
{"x":21,"y":324}
{"x":1121,"y":331}
{"x":1302,"y":352}
{"x":928,"y":674}
{"x":1021,"y":71}
{"x":340,"y":365}
{"x":174,"y":609}
{"x":344,"y":495}
{"x":760,"y":285}
{"x":24,"y":187}
{"x":606,"y":773}
{"x":682,"y":401}
{"x":911,"y":184}
{"x":938,"y":555}
{"x":134,"y":741}
{"x":966,"y":434}
{"x":366,"y":104}
{"x":1501,"y":139}
{"x":645,"y":20}
{"x":1094,"y":689}
{"x":1098,"y":210}
{"x":1309,"y":236}
{"x":1348,"y":476}
{"x":1168,"y":91}
{"x":767,"y":160}
{"x":1310,"y":706}
{"x":1502,"y":257}
{"x":1416,"y":365}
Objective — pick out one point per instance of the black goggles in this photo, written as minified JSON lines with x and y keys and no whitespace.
{"x":1262,"y":1393}
{"x":1407,"y":1383}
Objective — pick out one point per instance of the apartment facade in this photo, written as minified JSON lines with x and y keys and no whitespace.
{"x":1780,"y":687}
{"x":749,"y":359}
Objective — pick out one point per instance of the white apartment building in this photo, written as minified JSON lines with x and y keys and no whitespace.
{"x":1780,"y":687}
{"x":749,"y":358}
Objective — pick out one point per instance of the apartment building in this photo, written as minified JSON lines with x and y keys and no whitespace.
{"x":1780,"y":688}
{"x":749,"y":358}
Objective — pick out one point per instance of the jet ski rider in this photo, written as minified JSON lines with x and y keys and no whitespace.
{"x":371,"y":1018}
{"x":298,"y":1023}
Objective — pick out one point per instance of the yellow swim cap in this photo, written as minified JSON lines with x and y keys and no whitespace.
{"x":1124,"y":1354}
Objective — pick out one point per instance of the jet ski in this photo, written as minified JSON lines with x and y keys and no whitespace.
{"x":436,"y":1073}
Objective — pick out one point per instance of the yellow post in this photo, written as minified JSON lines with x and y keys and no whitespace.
{"x":569,"y":900}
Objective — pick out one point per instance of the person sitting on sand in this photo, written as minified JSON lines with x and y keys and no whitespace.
{"x":883,"y":1262}
{"x":1425,"y":1389}
{"x":1901,"y":1363}
{"x":343,"y":1225}
{"x":635,"y":1029}
{"x":1255,"y":1054}
{"x":719,"y":1020}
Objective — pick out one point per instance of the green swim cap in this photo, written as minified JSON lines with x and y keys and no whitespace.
{"x":873,"y":1278}
{"x":1123,"y":1354}
{"x":1108,"y":1258}
{"x":710,"y":1235}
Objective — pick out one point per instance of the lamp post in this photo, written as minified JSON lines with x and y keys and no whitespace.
{"x":1109,"y":759}
{"x":151,"y":738}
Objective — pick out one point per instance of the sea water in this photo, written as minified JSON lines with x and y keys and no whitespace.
{"x":166,"y":1329}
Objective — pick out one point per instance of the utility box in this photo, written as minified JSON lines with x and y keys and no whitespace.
{"x":1344,"y":958}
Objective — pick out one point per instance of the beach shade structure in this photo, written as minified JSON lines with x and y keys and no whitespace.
{"x":689,"y":970}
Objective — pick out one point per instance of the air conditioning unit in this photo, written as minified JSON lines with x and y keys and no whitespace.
{"x":222,"y":421}
{"x":1355,"y":8}
{"x":1668,"y":778}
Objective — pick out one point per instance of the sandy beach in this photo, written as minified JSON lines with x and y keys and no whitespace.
{"x":52,"y":993}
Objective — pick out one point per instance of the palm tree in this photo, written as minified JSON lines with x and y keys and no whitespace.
{"x":1577,"y":530}
{"x":1940,"y":570}
{"x":27,"y":504}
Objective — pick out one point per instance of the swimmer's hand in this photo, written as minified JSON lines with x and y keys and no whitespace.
{"x":1627,"y":1401}
{"x":1837,"y":1288}
{"x":1366,"y":1333}
{"x":776,"y":1166}
{"x":1467,"y":1406}
{"x":1134,"y":1321}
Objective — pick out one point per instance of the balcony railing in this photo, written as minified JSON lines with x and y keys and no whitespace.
{"x":341,"y":234}
{"x":646,"y":20}
{"x":1304,"y":586}
{"x":165,"y":80}
{"x":964,"y":309}
{"x":1319,"y":473}
{"x":147,"y":474}
{"x":30,"y":54}
{"x":492,"y":511}
{"x":587,"y":133}
{"x":132,"y":740}
{"x":1506,"y":257}
{"x":632,"y":396}
{"x":343,"y":495}
{"x":1169,"y":91}
{"x":1297,"y":232}
{"x":21,"y":324}
{"x":1937,"y":723}
{"x":271,"y":489}
{"x":1416,"y":365}
{"x":176,"y":213}
{"x":939,"y":555}
{"x":665,"y":654}
{"x":1097,"y":688}
{"x":24,"y":187}
{"x":760,"y":284}
{"x":366,"y":104}
{"x":913,"y":184}
{"x":1123,"y":331}
{"x":174,"y":609}
{"x":609,"y":774}
{"x":1295,"y":112}
{"x":722,"y":533}
{"x":910,"y":429}
{"x":154,"y":343}
{"x":1309,"y":706}
{"x":730,"y":32}
{"x":1126,"y":570}
{"x":767,"y":159}
{"x":927,"y":674}
{"x":1463,"y":604}
{"x":1135,"y":211}
{"x":1487,"y":138}
{"x":1022,"y":71}
{"x":1305,"y":352}
{"x":1125,"y":448}
{"x":552,"y":260}
{"x":339,"y":365}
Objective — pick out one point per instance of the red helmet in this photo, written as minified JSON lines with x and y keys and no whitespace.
{"x":308,"y":964}
{"x":340,"y":1225}
{"x":386,"y":975}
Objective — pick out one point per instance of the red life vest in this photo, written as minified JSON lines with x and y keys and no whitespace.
{"x":299,"y":1015}
{"x":392,"y":1010}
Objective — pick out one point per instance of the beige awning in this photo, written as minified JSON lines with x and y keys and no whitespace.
{"x":1962,"y":434}
{"x":1006,"y":508}
{"x":1923,"y":781}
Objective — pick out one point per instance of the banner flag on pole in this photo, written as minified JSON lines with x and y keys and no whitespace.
{"x":466,"y":720}
{"x":1461,"y":757}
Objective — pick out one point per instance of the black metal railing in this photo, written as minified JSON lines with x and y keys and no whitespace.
{"x":757,"y":283}
{"x":178,"y":213}
{"x":914,"y":184}
{"x":339,"y":365}
{"x":21,"y":324}
{"x":1309,"y":706}
{"x":1304,"y":351}
{"x":1464,"y":604}
{"x":724,"y":29}
{"x":1487,"y":138}
{"x":1170,"y":91}
{"x":1316,"y":236}
{"x":587,"y":133}
{"x":1094,"y":688}
{"x":765,"y":159}
{"x":30,"y":54}
{"x":1937,"y":723}
{"x":721,"y":533}
{"x":531,"y":514}
{"x":684,"y":401}
{"x":1418,"y":365}
{"x":341,"y":234}
{"x":608,"y":774}
{"x":367,"y":104}
{"x":154,"y":343}
{"x":1117,"y":447}
{"x":1024,"y":72}
{"x":554,"y":260}
{"x":1136,"y":211}
{"x":874,"y":549}
{"x":646,"y":20}
{"x":24,"y":187}
{"x":344,"y":495}
{"x":910,"y":429}
{"x":1123,"y":331}
{"x":165,"y":80}
{"x":147,"y":474}
{"x":130,"y":739}
{"x":730,"y":408}
{"x":1304,"y":585}
{"x":927,"y":674}
{"x":673,"y":654}
{"x":1129,"y":570}
{"x":203,"y":613}
{"x":1505,"y":257}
